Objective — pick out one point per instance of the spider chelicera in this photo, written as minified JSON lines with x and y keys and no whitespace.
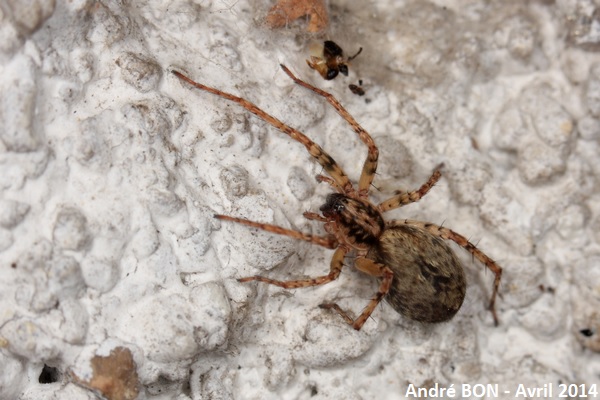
{"x":420,"y":276}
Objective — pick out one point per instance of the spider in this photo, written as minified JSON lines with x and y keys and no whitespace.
{"x":420,"y":276}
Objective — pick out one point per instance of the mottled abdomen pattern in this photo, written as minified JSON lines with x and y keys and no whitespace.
{"x":429,"y":282}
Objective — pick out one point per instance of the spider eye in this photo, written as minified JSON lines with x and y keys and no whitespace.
{"x":334,"y":205}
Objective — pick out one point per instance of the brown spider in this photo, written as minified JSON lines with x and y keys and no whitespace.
{"x":420,"y":275}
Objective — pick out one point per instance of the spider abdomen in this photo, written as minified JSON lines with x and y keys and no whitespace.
{"x":429,"y":282}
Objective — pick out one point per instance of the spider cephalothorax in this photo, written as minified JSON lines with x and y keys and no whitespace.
{"x":419,"y":273}
{"x":360,"y":223}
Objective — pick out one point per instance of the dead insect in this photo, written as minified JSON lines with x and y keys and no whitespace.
{"x":332,"y":61}
{"x":357,"y":89}
{"x":420,"y":275}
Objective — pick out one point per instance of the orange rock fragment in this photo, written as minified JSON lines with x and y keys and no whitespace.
{"x":286,"y":11}
{"x":115,"y":376}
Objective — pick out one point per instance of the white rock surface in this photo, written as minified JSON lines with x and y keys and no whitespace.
{"x":111,"y":170}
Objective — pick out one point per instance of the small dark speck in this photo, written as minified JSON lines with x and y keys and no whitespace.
{"x":313,"y":391}
{"x":357,"y":90}
{"x":13,"y":265}
{"x":586,"y":332}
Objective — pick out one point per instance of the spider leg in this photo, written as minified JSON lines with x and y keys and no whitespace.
{"x":324,"y":241}
{"x":463,"y":242}
{"x":374,"y":269}
{"x":314,"y":216}
{"x":342,"y":183}
{"x":370,"y":165}
{"x":329,"y":181}
{"x":337,"y":262}
{"x":403,"y":199}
